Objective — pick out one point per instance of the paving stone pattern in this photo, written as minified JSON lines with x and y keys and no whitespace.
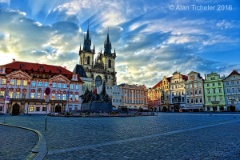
{"x":16,"y":143}
{"x":125,"y":138}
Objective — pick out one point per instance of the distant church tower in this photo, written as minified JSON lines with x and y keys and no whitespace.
{"x":100,"y":70}
{"x":86,"y":54}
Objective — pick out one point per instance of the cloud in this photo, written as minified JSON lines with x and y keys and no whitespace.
{"x":150,"y":41}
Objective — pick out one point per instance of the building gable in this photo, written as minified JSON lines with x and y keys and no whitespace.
{"x":60,"y":78}
{"x":18,"y":75}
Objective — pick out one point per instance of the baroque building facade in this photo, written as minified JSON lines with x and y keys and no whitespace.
{"x":26,"y":82}
{"x":232,"y":91}
{"x":165,"y":93}
{"x":134,"y":96}
{"x":99,"y":70}
{"x":177,"y":91}
{"x":214,"y":93}
{"x":154,"y":97}
{"x":194,"y":92}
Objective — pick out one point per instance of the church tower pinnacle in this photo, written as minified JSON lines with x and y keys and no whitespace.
{"x":107,"y":45}
{"x":87,"y":41}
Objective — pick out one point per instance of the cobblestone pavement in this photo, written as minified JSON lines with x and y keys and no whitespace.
{"x":16,"y":143}
{"x":166,"y":136}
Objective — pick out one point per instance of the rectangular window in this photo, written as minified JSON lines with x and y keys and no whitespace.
{"x":33,"y":83}
{"x":209,"y":99}
{"x":213,"y":90}
{"x":53,"y":96}
{"x":77,"y":87}
{"x":71,"y":86}
{"x":31,"y":109}
{"x":40,"y":84}
{"x":200,"y":100}
{"x":37,"y":109}
{"x":58,"y":96}
{"x":64,"y":96}
{"x":59,"y":85}
{"x":1,"y":108}
{"x":219,"y":84}
{"x":12,"y":81}
{"x":4,"y":81}
{"x":11,"y":94}
{"x":54,"y":85}
{"x":2,"y":93}
{"x":18,"y":82}
{"x":25,"y":83}
{"x":220,"y":90}
{"x":17,"y":94}
{"x":64,"y":85}
{"x":45,"y":84}
{"x":76,"y":97}
{"x":39,"y":95}
{"x":32,"y":95}
{"x":44,"y":108}
{"x":208,"y":91}
{"x":23,"y":95}
{"x":196,"y":100}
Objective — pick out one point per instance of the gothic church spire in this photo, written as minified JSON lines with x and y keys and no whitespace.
{"x":87,"y":41}
{"x":107,"y":45}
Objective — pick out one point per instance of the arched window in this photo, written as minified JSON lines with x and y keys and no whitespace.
{"x":88,"y":60}
{"x":98,"y":81}
{"x":109,"y":64}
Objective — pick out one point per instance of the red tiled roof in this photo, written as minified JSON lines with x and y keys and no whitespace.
{"x":158,"y":84}
{"x":184,"y":77}
{"x":37,"y":67}
{"x":233,"y":72}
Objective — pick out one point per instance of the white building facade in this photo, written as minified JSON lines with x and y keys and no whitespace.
{"x":177,"y":91}
{"x":116,"y":94}
{"x":232,"y":91}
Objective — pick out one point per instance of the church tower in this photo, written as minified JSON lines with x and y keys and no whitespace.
{"x":99,"y":71}
{"x":87,"y":54}
{"x":109,"y":61}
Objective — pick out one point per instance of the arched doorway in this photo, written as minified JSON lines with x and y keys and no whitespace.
{"x":58,"y":108}
{"x":15,"y":109}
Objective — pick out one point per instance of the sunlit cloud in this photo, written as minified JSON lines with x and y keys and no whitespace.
{"x":150,"y":40}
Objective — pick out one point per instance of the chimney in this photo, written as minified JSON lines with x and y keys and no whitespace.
{"x":13,"y":59}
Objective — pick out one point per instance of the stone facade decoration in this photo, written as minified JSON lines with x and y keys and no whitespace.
{"x":26,"y":82}
{"x":232,"y":91}
{"x":214,"y":93}
{"x":194,"y":92}
{"x":177,"y":91}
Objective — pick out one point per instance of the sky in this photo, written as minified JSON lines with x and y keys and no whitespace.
{"x":152,"y":38}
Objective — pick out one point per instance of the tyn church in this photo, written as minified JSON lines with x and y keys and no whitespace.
{"x":96,"y":71}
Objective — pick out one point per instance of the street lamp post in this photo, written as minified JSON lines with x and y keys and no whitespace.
{"x":6,"y":101}
{"x":47,"y":92}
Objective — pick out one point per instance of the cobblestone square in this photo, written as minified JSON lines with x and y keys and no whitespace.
{"x":165,"y":136}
